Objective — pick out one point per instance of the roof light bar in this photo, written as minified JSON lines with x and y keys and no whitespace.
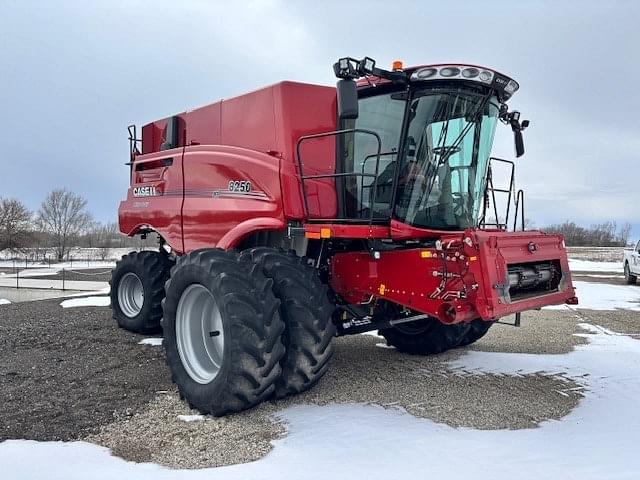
{"x":505,"y":86}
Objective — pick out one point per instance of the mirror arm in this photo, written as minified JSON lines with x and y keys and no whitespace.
{"x":513,"y":119}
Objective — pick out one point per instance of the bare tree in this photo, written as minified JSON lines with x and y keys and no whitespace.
{"x":623,"y":234}
{"x":600,"y":235}
{"x":106,"y":236}
{"x":15,"y":224}
{"x":63,"y":215}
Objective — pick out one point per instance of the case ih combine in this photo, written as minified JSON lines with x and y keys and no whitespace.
{"x":299,"y":212}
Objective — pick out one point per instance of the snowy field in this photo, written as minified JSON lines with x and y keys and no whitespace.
{"x":76,"y":254}
{"x":45,"y":270}
{"x":595,"y":441}
{"x":577,"y":265}
{"x":598,"y":254}
{"x":602,"y":296}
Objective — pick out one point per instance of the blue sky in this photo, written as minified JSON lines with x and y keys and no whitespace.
{"x":75,"y":74}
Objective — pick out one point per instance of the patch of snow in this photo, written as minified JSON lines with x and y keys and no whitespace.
{"x":596,"y":275}
{"x":191,"y":418}
{"x":75,"y":265}
{"x":576,"y":265}
{"x":86,"y":302}
{"x":156,"y":342}
{"x":35,"y":272}
{"x":384,"y":345}
{"x":373,"y":333}
{"x":603,"y":296}
{"x":102,"y":291}
{"x":596,"y":440}
{"x":4,"y":301}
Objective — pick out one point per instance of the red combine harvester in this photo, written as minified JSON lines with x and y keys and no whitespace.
{"x":299,"y":212}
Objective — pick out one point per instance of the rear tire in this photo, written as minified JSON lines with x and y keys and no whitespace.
{"x":629,"y":277}
{"x":137,"y":290}
{"x":425,"y":337}
{"x":234,"y":366}
{"x":307,"y":313}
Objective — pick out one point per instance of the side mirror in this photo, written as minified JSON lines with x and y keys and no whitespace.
{"x":347,"y":93}
{"x":519,"y":142}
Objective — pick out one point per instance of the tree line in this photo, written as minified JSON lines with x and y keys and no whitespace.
{"x":62,"y":222}
{"x":606,"y":234}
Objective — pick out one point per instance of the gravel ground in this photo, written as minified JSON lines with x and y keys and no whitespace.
{"x":29,"y":294}
{"x":71,"y":374}
{"x":620,"y":321}
{"x":85,"y":274}
{"x":208,"y":442}
{"x":66,"y":372}
{"x":609,"y":279}
{"x":364,"y":372}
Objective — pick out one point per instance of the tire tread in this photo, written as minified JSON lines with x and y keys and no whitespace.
{"x":306,"y":309}
{"x":251,"y":311}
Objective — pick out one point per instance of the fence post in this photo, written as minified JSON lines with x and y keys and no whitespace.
{"x":63,"y":279}
{"x":17,"y":274}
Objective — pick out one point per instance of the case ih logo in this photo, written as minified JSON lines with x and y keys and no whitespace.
{"x":144,"y":191}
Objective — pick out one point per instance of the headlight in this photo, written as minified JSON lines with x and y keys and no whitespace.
{"x":470,"y":72}
{"x":460,"y":72}
{"x":449,"y":72}
{"x":511,"y":87}
{"x":486,"y":76}
{"x":426,"y":73}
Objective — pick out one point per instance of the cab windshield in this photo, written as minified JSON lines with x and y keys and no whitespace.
{"x":440,"y":177}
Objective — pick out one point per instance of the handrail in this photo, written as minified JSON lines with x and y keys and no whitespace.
{"x":337,"y":175}
{"x":490,"y":188}
{"x":519,"y":201}
{"x":364,"y":163}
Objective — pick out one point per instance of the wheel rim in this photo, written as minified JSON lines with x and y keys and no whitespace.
{"x":199,"y":334}
{"x":130,"y":295}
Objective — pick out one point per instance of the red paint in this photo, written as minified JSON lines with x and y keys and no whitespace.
{"x":407,"y":278}
{"x":252,"y":138}
{"x":247,"y":138}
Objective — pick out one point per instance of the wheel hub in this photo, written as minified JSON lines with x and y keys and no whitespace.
{"x":199,"y":334}
{"x":130,"y":294}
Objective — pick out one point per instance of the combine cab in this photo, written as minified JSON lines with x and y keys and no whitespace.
{"x":299,"y":212}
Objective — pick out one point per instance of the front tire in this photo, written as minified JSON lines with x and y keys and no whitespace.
{"x":629,"y":277}
{"x":478,"y":328}
{"x":425,"y":337}
{"x":307,"y":313}
{"x":137,"y":290}
{"x":222,"y":332}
